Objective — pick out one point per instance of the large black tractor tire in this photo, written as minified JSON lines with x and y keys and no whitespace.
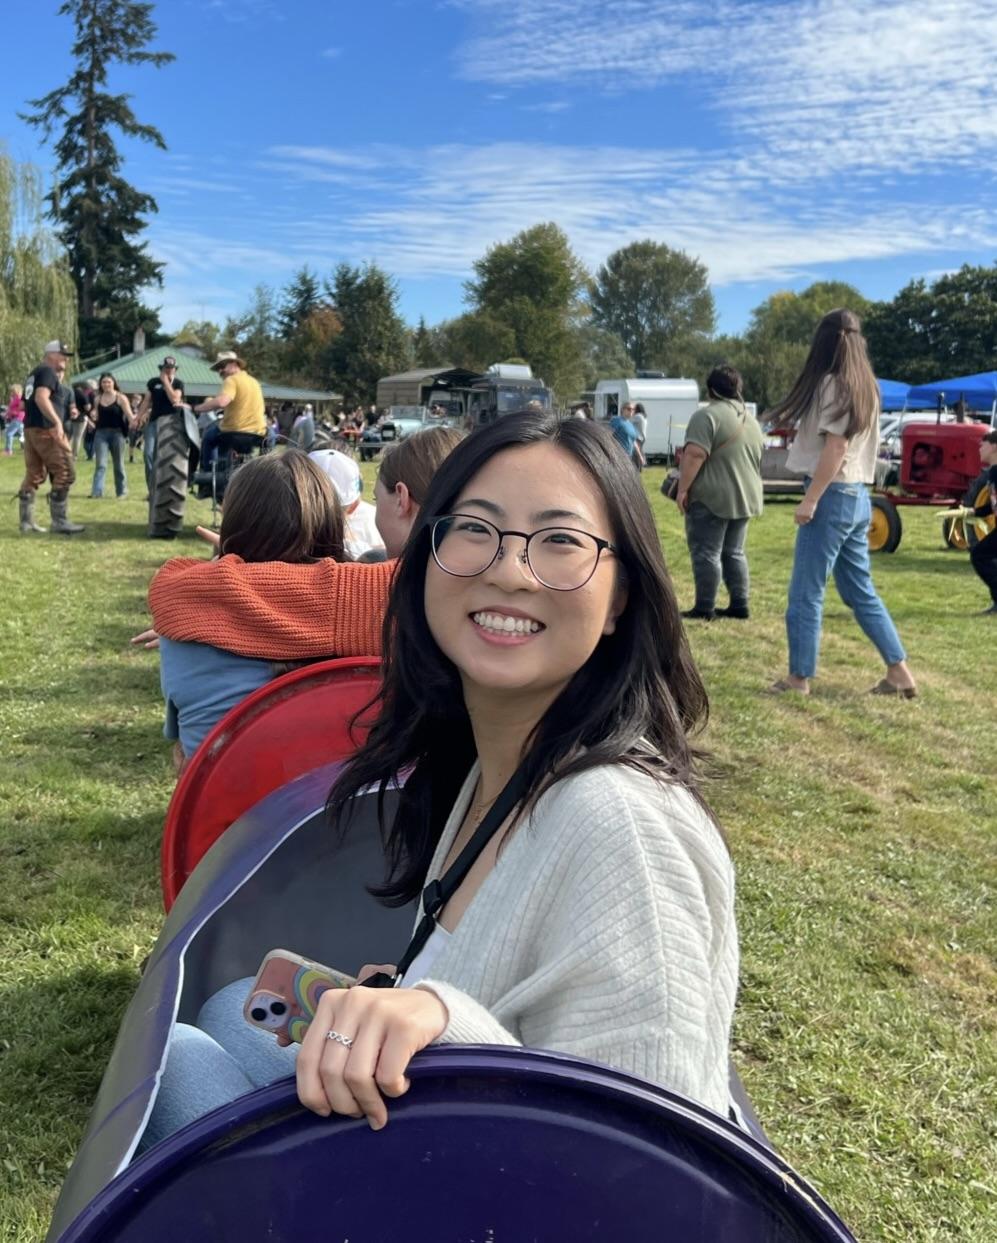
{"x":169,"y":478}
{"x":884,"y":526}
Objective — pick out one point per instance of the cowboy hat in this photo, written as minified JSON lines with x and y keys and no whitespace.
{"x":227,"y":356}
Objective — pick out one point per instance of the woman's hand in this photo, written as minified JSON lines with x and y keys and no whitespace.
{"x":385,"y":1028}
{"x":804,"y":512}
{"x":147,"y":639}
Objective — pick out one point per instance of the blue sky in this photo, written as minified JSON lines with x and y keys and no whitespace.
{"x":781,"y":141}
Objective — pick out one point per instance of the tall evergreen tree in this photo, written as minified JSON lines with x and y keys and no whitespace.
{"x":99,"y":214}
{"x":373,"y":342}
{"x":298,"y":300}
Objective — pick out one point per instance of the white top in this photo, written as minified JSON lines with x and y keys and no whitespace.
{"x":859,"y":465}
{"x":361,"y":530}
{"x":423,"y":962}
{"x":605,"y":930}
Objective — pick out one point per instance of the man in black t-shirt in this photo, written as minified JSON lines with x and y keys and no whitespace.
{"x":47,"y":454}
{"x":164,"y":394}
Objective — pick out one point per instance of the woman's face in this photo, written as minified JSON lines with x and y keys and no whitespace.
{"x":554,"y":632}
{"x":394,"y":515}
{"x":107,"y":385}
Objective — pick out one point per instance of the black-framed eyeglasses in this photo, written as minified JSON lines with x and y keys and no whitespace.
{"x":562,"y":558}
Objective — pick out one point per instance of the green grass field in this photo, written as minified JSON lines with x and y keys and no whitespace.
{"x":863,"y":830}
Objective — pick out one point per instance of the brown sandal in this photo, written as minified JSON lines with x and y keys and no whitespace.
{"x":885,"y":687}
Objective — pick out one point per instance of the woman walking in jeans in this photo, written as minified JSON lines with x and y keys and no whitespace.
{"x":834,"y":409}
{"x":112,"y":412}
{"x":720,"y":488}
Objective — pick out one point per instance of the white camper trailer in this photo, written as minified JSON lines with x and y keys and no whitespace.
{"x":668,"y":405}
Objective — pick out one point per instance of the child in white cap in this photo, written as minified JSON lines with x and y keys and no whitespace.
{"x":361,"y":533}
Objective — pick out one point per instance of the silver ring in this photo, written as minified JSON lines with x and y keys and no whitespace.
{"x":339,"y":1038}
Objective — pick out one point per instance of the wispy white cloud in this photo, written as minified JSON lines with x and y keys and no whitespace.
{"x":820,"y":85}
{"x":552,"y":106}
{"x":603,"y":197}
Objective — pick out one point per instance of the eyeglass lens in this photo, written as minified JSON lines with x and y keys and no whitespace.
{"x":559,"y":557}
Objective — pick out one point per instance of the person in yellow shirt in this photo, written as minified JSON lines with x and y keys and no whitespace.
{"x":240,"y":401}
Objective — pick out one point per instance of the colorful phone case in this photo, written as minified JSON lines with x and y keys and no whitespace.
{"x":285,"y":995}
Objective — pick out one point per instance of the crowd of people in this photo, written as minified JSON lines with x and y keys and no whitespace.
{"x":534,"y":661}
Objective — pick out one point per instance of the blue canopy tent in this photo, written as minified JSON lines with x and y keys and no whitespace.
{"x":979,"y":391}
{"x":892,"y":394}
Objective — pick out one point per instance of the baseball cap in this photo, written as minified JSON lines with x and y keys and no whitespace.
{"x":58,"y":347}
{"x":168,"y":361}
{"x":343,"y":473}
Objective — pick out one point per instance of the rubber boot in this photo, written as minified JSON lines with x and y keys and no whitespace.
{"x":27,"y":507}
{"x":58,"y":503}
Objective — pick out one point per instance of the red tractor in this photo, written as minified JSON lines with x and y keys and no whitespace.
{"x":939,"y":463}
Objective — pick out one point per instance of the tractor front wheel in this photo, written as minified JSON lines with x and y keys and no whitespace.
{"x":954,"y":532}
{"x":884,"y":526}
{"x":972,"y":525}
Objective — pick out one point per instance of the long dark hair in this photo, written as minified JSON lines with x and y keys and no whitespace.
{"x":838,"y":350}
{"x":282,"y":507}
{"x":636,"y":701}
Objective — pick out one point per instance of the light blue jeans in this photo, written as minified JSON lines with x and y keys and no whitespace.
{"x":113,"y":443}
{"x":836,"y":541}
{"x":212,"y":1063}
{"x":14,"y":430}
{"x":149,"y":438}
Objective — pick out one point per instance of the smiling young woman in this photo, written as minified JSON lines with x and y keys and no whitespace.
{"x":533,"y":637}
{"x":539,"y":690}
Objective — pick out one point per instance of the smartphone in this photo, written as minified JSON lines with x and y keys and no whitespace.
{"x":285,"y":994}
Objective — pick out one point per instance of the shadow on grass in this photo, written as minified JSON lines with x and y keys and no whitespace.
{"x":64,"y":1026}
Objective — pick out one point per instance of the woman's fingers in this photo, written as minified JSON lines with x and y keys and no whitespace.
{"x":359,"y":1074}
{"x":396,"y":1053}
{"x":148,"y":638}
{"x":384,"y":1028}
{"x":311,"y":1093}
{"x":332,"y":1075}
{"x":210,"y":537}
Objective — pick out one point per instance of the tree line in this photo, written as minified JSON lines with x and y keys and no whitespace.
{"x":648,"y":307}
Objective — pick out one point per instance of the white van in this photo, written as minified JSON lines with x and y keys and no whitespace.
{"x":668,"y":405}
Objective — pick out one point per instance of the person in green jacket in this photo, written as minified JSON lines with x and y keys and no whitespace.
{"x":720,"y":488}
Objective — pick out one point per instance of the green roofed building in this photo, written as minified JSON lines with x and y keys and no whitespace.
{"x":134,"y":371}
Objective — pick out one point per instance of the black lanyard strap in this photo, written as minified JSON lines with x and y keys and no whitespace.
{"x":438,"y":892}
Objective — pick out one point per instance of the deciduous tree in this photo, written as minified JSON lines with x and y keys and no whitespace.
{"x":526,"y":294}
{"x":779,"y":335}
{"x":656,"y":299}
{"x":100,"y":215}
{"x":37,"y":296}
{"x":931,"y":332}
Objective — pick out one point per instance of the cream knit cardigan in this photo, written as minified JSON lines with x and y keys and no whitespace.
{"x":606,"y":929}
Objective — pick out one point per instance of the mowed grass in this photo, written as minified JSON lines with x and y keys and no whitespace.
{"x":863,"y":831}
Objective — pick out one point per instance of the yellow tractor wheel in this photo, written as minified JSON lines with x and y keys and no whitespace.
{"x":884,"y":526}
{"x":974,"y":526}
{"x":954,"y":532}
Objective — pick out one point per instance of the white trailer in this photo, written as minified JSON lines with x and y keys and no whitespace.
{"x":668,"y":405}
